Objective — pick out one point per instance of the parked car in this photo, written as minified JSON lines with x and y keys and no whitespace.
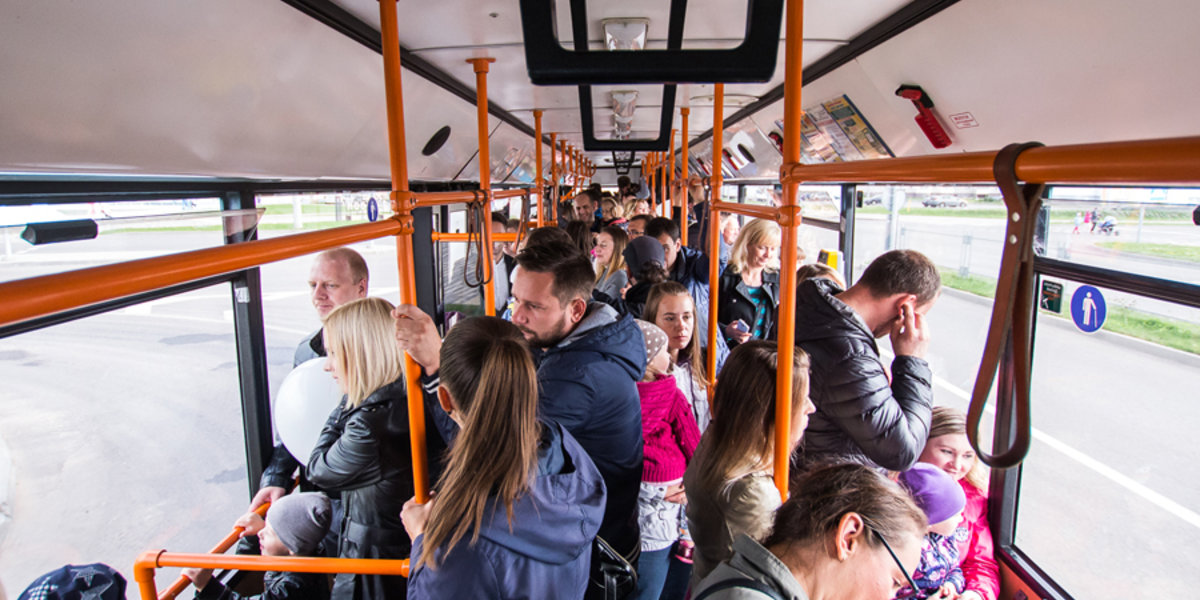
{"x":944,"y":202}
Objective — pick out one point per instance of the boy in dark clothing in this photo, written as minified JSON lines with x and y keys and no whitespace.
{"x":295,"y":526}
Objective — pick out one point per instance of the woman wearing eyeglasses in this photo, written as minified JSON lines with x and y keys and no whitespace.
{"x":847,"y":533}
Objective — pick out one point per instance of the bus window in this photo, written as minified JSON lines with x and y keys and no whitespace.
{"x":125,"y":433}
{"x":1109,"y":503}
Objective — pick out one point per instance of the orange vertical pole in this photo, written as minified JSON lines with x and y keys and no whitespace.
{"x":554,"y":177}
{"x":402,"y":205}
{"x":673,"y":181}
{"x":653,"y":187}
{"x":687,"y":199}
{"x":714,"y":216}
{"x":563,"y":169}
{"x":485,"y":180}
{"x":790,"y":221}
{"x":538,"y":184}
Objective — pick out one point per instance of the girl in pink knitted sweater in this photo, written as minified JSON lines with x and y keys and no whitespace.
{"x":670,"y":435}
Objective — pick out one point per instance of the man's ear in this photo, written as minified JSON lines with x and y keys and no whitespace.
{"x":445,"y":400}
{"x":851,"y":535}
{"x":577,"y":309}
{"x":361,"y":286}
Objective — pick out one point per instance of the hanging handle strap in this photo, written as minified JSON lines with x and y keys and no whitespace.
{"x":1011,"y":330}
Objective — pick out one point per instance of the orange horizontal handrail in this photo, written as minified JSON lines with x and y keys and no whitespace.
{"x":1163,"y":161}
{"x":148,"y":562}
{"x":181,"y":584}
{"x":424,"y":199}
{"x":750,"y":210}
{"x":513,"y":193}
{"x":35,"y":297}
{"x":470,"y":237}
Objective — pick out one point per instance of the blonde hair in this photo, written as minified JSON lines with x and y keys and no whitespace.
{"x":741,"y":437}
{"x":949,"y":421}
{"x":493,"y":382}
{"x":359,"y":336}
{"x":616,"y":262}
{"x":756,"y":232}
{"x":618,"y":209}
{"x":819,"y":271}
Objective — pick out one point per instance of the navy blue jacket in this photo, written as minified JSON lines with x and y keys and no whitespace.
{"x":588,"y":384}
{"x":546,"y":553}
{"x":861,"y":416}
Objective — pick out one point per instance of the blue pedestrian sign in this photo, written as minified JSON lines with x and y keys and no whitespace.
{"x":372,"y":210}
{"x":1088,"y":309}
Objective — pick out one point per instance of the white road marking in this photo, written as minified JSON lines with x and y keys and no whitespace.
{"x":1147,"y":494}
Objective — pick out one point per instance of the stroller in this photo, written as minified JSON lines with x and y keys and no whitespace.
{"x":1109,"y":226}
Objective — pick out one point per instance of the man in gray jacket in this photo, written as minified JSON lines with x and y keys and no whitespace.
{"x":862,"y":416}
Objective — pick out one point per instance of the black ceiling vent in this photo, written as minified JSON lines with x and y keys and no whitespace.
{"x":746,"y":152}
{"x":753,"y":61}
{"x":436,"y":142}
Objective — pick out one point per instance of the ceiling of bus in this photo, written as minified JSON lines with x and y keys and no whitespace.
{"x":256,"y":88}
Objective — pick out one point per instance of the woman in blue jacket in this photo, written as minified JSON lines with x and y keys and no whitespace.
{"x":519,"y":502}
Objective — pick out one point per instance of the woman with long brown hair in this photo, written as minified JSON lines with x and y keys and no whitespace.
{"x":671,"y":308}
{"x":729,"y":486}
{"x":519,"y":502}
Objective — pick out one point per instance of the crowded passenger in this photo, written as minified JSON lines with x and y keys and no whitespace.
{"x":464,"y":288}
{"x":636,"y":226}
{"x":847,"y":533}
{"x":729,"y":482}
{"x":588,"y":359}
{"x":821,"y":270}
{"x":337,"y":276}
{"x":670,"y":436}
{"x":635,"y":206}
{"x":363,"y":450}
{"x":584,"y":207}
{"x":295,"y":526}
{"x":670,"y":306}
{"x":611,"y":212}
{"x":519,"y":502}
{"x":862,"y":415}
{"x":689,"y":267}
{"x":949,"y":449}
{"x":644,"y":259}
{"x":749,"y":297}
{"x":942,"y":500}
{"x":580,"y":233}
{"x":608,"y":259}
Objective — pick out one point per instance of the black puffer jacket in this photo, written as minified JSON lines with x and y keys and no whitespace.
{"x":736,"y":303}
{"x":365,"y":454}
{"x":861,"y":416}
{"x":276,"y":586}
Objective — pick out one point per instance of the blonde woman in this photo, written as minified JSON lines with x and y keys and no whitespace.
{"x":609,"y":262}
{"x":520,"y":501}
{"x":729,"y":485}
{"x":750,"y":284}
{"x":364,"y":451}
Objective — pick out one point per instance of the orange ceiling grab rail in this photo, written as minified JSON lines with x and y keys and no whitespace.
{"x":146,"y":565}
{"x":512,"y":193}
{"x":750,"y":210}
{"x":1162,"y":161}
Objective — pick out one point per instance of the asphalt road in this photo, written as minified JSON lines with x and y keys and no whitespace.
{"x":125,"y":429}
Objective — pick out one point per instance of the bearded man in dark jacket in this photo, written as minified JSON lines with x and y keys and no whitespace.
{"x":589,"y":359}
{"x":861,"y":416}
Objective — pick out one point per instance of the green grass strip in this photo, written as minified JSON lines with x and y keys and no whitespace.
{"x":1175,"y":251}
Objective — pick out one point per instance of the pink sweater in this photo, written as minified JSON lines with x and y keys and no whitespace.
{"x":668,"y":429}
{"x":975,"y":549}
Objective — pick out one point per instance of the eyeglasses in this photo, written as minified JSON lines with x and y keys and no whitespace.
{"x":911,"y":584}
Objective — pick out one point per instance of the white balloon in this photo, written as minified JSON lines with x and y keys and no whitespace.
{"x":305,"y":399}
